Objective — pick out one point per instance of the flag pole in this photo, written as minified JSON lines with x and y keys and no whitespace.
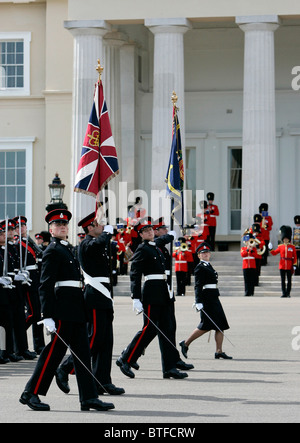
{"x":99,"y":69}
{"x":174,"y":99}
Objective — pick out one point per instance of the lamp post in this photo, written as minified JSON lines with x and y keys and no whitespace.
{"x":56,"y":189}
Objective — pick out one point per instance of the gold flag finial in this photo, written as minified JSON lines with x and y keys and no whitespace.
{"x":174,"y":99}
{"x":99,"y":69}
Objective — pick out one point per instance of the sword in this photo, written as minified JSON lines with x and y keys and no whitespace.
{"x":80,"y":361}
{"x":159,"y":330}
{"x":217,"y":327}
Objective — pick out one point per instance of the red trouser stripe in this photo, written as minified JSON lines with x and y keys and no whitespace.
{"x":30,"y":306}
{"x":47,"y":360}
{"x":94,"y":329}
{"x":142,"y":334}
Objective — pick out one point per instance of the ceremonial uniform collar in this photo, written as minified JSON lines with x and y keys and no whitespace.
{"x":152,"y":243}
{"x":205,"y":262}
{"x":64,"y":242}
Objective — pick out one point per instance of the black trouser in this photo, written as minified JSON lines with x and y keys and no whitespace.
{"x":249,"y":279}
{"x":286,"y":281}
{"x":75,"y":335}
{"x":160,"y":316}
{"x":181,"y":282}
{"x":101,"y":345}
{"x":33,"y":305}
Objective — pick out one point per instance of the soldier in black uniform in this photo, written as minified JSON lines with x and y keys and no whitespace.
{"x":17,"y":346}
{"x":163,"y":238}
{"x":63,"y":311}
{"x":154,"y":299}
{"x":31,"y":254}
{"x":94,"y":260}
{"x":207,"y":298}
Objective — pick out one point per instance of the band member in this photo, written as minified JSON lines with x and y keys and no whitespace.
{"x":154,"y":299}
{"x":296,"y":241}
{"x":266,"y":228}
{"x":63,"y":313}
{"x":288,"y":259}
{"x":212,"y":222}
{"x":259,"y":243}
{"x":181,"y":265}
{"x":95,"y":264}
{"x":249,"y":255}
{"x":207,"y":298}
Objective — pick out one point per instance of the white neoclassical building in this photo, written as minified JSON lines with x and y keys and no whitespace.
{"x":233,"y":65}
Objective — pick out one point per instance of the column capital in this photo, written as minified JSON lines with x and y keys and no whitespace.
{"x":116,"y":38}
{"x":87,"y":27}
{"x":258,"y":22}
{"x":161,"y":25}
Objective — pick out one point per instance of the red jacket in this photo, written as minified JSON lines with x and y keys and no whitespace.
{"x":181,"y":260}
{"x":213,"y":213}
{"x":266,"y":226}
{"x":249,"y":255}
{"x":288,"y":256}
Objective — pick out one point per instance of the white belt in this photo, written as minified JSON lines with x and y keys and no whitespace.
{"x":96,"y":283}
{"x":155,"y":277}
{"x":248,"y":258}
{"x":70,"y":283}
{"x":31,"y":267}
{"x":181,"y":261}
{"x":210,"y":286}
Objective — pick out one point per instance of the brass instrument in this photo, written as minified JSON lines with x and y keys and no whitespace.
{"x":184,"y":247}
{"x":254,"y":243}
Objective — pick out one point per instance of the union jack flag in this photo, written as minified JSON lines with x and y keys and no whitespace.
{"x":99,"y":162}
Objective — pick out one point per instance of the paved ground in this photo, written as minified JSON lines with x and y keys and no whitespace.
{"x":261,"y":383}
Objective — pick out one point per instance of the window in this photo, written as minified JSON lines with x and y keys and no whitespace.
{"x":235,"y":188}
{"x":15,"y":178}
{"x":14,"y":63}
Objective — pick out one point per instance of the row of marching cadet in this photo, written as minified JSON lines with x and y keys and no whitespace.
{"x":257,"y":247}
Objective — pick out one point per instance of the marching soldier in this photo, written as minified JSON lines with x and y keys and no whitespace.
{"x":63,"y":313}
{"x":154,"y":300}
{"x":207,"y":298}
{"x":95,"y":264}
{"x":212,"y":222}
{"x":260,"y":244}
{"x":288,"y":260}
{"x":162,"y":238}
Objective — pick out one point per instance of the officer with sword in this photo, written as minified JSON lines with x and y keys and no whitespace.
{"x":153,"y":300}
{"x":63,"y":315}
{"x":207,"y":302}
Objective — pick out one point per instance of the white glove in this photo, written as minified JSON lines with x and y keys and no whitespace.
{"x":6,"y":282}
{"x":49,"y":324}
{"x":23,"y":276}
{"x":173,"y":233}
{"x":109,"y":229}
{"x":137,"y":306}
{"x":198,"y":306}
{"x":270,"y":246}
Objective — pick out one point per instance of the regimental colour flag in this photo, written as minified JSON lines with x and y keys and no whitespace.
{"x":175,"y":173}
{"x":98,"y":163}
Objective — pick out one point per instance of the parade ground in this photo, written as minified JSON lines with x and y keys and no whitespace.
{"x":260,"y":385}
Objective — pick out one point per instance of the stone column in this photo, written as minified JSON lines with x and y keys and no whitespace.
{"x":113,"y":41}
{"x":88,"y":48}
{"x":168,"y":77}
{"x":259,"y":180}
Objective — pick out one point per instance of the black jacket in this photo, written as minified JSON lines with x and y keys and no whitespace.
{"x":94,"y":260}
{"x":62,"y":303}
{"x":148,"y":259}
